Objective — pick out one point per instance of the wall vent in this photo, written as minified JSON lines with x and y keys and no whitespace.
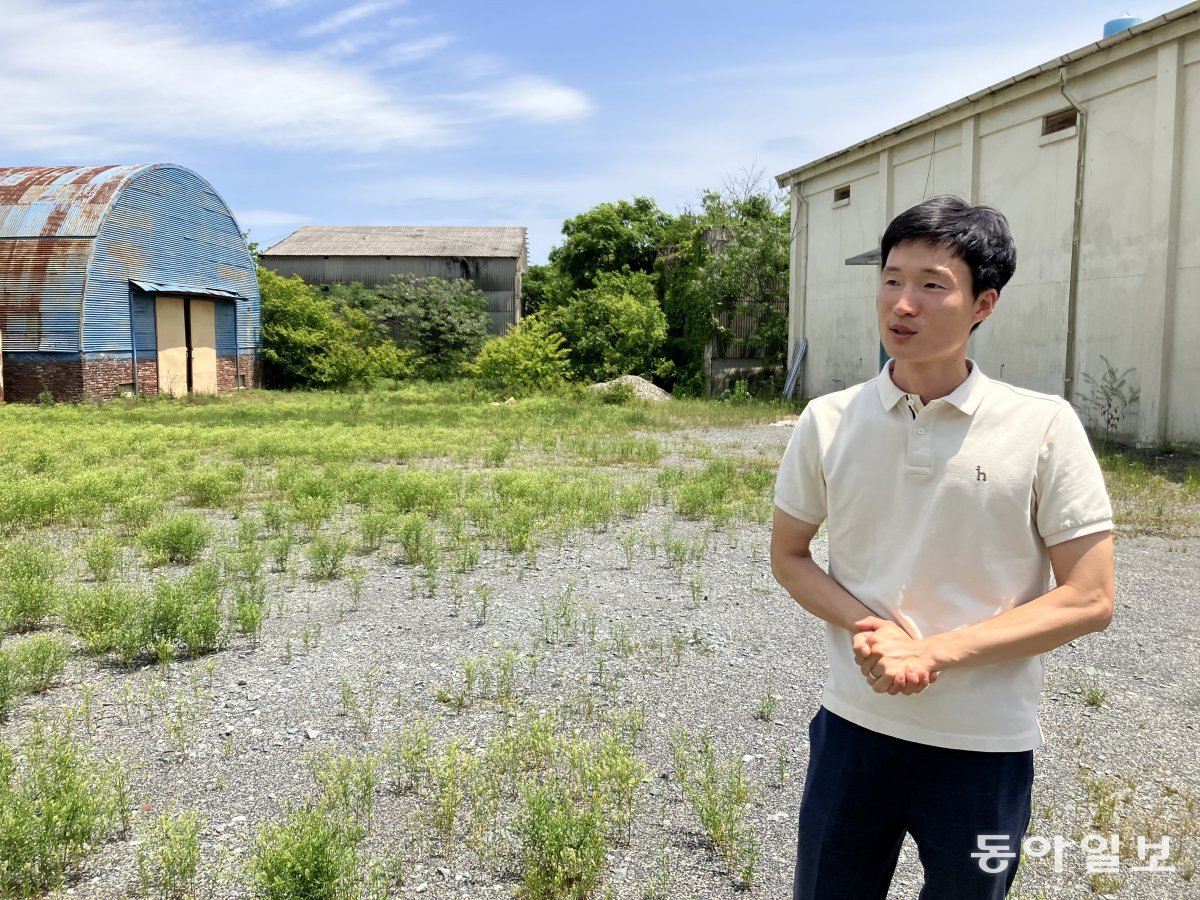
{"x":1059,"y":121}
{"x":841,"y":193}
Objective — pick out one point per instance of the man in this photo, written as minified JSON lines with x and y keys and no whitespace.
{"x":948,"y":499}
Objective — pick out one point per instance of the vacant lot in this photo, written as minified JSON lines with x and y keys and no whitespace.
{"x":412,"y":642}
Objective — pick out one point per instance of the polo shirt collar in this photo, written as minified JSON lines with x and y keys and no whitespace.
{"x":966,"y":397}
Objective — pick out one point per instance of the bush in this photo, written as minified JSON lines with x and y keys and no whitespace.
{"x":28,"y":585}
{"x":312,"y":854}
{"x":126,"y":622}
{"x":531,"y":357}
{"x":181,"y":538}
{"x":613,"y":329}
{"x":52,"y":810}
{"x":563,"y":844}
{"x":28,"y":667}
{"x":309,"y":342}
{"x":169,"y":859}
{"x":443,"y":323}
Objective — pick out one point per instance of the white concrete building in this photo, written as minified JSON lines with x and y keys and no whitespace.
{"x":1095,"y":160}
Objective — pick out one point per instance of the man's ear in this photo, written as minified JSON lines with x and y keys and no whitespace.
{"x":985,"y":304}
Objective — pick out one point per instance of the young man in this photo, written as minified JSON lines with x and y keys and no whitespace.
{"x":948,"y":499}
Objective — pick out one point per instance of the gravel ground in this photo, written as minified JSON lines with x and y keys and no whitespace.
{"x":707,"y":651}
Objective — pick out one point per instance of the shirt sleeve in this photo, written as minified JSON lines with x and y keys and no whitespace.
{"x":1071,"y":497}
{"x":800,"y":485}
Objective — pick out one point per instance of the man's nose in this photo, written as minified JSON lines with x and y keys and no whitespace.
{"x":904,"y":304}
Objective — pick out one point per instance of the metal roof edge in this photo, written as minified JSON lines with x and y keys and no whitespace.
{"x":792,"y":176}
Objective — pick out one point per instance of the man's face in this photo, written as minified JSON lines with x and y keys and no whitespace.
{"x":925,"y":304}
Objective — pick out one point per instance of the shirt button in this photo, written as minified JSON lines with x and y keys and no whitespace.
{"x":920,"y":431}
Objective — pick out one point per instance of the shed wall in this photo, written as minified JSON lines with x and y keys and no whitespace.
{"x":498,"y":278}
{"x":1139,"y":257}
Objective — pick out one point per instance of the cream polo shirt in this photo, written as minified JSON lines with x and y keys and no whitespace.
{"x":939,"y":516}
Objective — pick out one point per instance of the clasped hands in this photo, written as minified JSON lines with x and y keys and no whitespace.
{"x":892,"y":660}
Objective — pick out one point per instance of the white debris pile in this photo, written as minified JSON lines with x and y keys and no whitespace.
{"x":642,"y":388}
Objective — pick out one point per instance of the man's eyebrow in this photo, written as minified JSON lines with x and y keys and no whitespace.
{"x":942,"y":272}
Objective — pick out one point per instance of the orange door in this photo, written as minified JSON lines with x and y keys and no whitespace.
{"x":172,"y":346}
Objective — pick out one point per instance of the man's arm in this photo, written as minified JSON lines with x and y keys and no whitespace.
{"x":810,"y":585}
{"x":1080,"y":604}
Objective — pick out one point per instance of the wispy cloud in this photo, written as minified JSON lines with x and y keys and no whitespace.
{"x":531,"y":98}
{"x":349,"y":16}
{"x":84,"y":80}
{"x":417,"y":50}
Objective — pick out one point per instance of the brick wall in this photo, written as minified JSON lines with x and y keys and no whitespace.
{"x":103,"y":377}
{"x":25,"y":379}
{"x":227,"y":372}
{"x":73,"y":380}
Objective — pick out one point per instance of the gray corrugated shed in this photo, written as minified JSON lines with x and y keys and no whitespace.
{"x":402,"y":240}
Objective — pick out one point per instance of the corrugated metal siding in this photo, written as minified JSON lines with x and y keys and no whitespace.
{"x":487,"y":274}
{"x":41,"y":284}
{"x":144,"y":326}
{"x":168,"y":225}
{"x":158,"y":223}
{"x":58,"y":201}
{"x":403,"y":240}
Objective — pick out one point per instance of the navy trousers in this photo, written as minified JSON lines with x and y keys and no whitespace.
{"x":865,"y":790}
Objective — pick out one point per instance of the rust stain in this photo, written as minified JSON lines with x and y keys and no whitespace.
{"x":130,"y":254}
{"x":233,"y":273}
{"x":29,"y":185}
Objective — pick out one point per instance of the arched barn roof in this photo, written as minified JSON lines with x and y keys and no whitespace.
{"x":79,"y":245}
{"x":58,"y":201}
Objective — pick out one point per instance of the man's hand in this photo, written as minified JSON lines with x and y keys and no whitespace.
{"x":892,"y":661}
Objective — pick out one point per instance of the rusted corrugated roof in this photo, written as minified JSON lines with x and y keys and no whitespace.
{"x":402,"y":240}
{"x":58,"y":201}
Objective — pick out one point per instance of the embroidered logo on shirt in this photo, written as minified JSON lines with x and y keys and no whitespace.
{"x":980,"y":475}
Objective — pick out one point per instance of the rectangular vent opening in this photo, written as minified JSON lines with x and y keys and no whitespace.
{"x":841,"y":193}
{"x":1059,"y":121}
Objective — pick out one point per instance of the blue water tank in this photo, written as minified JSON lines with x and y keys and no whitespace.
{"x":1117,"y":25}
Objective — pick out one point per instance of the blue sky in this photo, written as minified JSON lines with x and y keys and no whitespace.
{"x":439,"y":112}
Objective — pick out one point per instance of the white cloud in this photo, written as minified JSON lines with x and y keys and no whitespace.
{"x":414,"y":51}
{"x":348,"y":16}
{"x":530,"y":98}
{"x":81,"y":81}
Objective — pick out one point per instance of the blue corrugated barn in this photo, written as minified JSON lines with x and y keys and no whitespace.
{"x":102,"y":264}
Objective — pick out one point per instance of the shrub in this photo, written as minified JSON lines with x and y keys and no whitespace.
{"x":28,"y":667}
{"x":103,"y":557}
{"x":28,"y":585}
{"x":312,"y":854}
{"x":310,"y":342}
{"x":180,"y":538}
{"x":531,"y":357}
{"x":443,"y":323}
{"x":52,"y":809}
{"x":563,"y":844}
{"x":169,"y":859}
{"x":612,"y":329}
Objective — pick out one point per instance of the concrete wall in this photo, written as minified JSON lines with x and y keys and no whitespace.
{"x":1138,"y":280}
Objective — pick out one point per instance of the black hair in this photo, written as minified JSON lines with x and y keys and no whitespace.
{"x":978,"y":235}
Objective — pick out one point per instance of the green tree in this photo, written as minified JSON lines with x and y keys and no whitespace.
{"x":543,"y":287}
{"x":444,"y":323}
{"x":308,"y":342}
{"x":612,"y":329}
{"x":728,"y":257}
{"x":610,"y":238}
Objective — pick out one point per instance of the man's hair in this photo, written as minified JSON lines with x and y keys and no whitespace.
{"x":978,"y":235}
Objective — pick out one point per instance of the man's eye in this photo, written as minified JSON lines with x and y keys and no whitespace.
{"x":934,"y":285}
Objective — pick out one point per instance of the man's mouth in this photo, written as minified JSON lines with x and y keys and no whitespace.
{"x":901,"y":329}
